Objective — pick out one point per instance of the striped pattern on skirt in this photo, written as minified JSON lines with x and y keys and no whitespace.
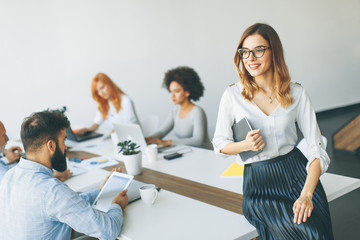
{"x":270,"y":189}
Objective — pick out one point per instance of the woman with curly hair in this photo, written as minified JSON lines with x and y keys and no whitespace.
{"x":186,"y":119}
{"x":282,"y":195}
{"x":113,"y":104}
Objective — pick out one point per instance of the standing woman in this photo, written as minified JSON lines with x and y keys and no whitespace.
{"x":187,"y":119}
{"x":283,"y":197}
{"x":113,"y":104}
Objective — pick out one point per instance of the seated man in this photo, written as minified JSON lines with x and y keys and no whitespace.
{"x":35,"y":205}
{"x":8,"y":157}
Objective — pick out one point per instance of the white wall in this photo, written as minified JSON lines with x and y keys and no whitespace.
{"x":50,"y":50}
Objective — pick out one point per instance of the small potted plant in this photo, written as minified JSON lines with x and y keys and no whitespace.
{"x":131,"y":155}
{"x":58,"y":110}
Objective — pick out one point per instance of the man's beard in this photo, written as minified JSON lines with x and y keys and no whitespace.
{"x":2,"y":149}
{"x":58,"y":160}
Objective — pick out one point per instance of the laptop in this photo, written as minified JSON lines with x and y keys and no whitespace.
{"x":130,"y":132}
{"x":134,"y":133}
{"x":81,"y":137}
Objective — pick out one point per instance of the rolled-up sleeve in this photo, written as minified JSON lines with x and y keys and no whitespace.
{"x":223,"y":131}
{"x":307,"y":122}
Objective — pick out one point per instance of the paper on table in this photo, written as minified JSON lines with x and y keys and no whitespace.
{"x":235,"y":170}
{"x":87,"y":181}
{"x":75,"y":169}
{"x":98,"y":162}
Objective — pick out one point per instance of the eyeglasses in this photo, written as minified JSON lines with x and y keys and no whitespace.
{"x":257,"y":52}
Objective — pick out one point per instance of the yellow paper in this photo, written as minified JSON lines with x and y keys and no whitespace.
{"x":235,"y":170}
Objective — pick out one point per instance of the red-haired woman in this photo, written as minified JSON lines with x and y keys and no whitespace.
{"x":113,"y":104}
{"x":283,"y":197}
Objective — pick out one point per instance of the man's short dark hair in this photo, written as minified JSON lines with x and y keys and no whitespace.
{"x":41,"y":127}
{"x":188,"y":79}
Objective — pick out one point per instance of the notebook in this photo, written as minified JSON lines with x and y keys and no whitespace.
{"x":240,"y":130}
{"x":81,"y":137}
{"x":234,"y":171}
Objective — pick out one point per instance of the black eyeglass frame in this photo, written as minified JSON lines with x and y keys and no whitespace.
{"x":252,"y":51}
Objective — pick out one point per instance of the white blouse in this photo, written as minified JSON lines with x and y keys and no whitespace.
{"x":277,"y":129}
{"x":126,"y":115}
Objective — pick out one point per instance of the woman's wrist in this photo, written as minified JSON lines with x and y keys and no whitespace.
{"x":306,"y":193}
{"x":244,"y":145}
{"x":235,"y":148}
{"x":167,"y":142}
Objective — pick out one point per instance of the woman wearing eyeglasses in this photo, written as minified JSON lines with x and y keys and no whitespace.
{"x":113,"y":104}
{"x":186,"y":119}
{"x":283,"y":197}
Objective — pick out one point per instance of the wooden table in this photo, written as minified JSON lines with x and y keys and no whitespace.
{"x":215,"y":196}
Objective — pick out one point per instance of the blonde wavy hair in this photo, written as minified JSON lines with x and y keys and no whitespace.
{"x":281,"y":72}
{"x":114,"y":91}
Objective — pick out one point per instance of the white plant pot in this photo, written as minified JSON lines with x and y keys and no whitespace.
{"x":133,"y":163}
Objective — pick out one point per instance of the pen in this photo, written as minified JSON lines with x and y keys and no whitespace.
{"x":77,"y":160}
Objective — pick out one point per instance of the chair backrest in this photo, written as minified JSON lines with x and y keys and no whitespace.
{"x":150,"y":124}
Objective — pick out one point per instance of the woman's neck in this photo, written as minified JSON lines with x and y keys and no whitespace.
{"x":266,"y":82}
{"x":185,"y":108}
{"x":187,"y":104}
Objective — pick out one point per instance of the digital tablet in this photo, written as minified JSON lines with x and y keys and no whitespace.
{"x":116,"y":183}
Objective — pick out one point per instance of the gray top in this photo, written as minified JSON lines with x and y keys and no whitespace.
{"x":191,"y":130}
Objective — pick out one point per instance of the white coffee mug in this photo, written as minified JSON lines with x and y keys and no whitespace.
{"x":151,"y":152}
{"x":148,"y":193}
{"x":115,"y":141}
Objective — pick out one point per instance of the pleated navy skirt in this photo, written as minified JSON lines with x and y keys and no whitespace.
{"x":270,"y":189}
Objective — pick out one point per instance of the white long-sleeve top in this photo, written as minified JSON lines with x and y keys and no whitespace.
{"x":126,"y":115}
{"x":191,"y":130}
{"x":277,"y":129}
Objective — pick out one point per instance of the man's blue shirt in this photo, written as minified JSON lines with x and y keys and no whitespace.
{"x":35,"y":205}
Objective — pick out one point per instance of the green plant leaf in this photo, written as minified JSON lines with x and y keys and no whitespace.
{"x":128,"y":147}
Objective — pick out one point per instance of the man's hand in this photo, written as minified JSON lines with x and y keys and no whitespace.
{"x":13,"y":154}
{"x":62,"y":176}
{"x":122,"y":199}
{"x":113,"y":170}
